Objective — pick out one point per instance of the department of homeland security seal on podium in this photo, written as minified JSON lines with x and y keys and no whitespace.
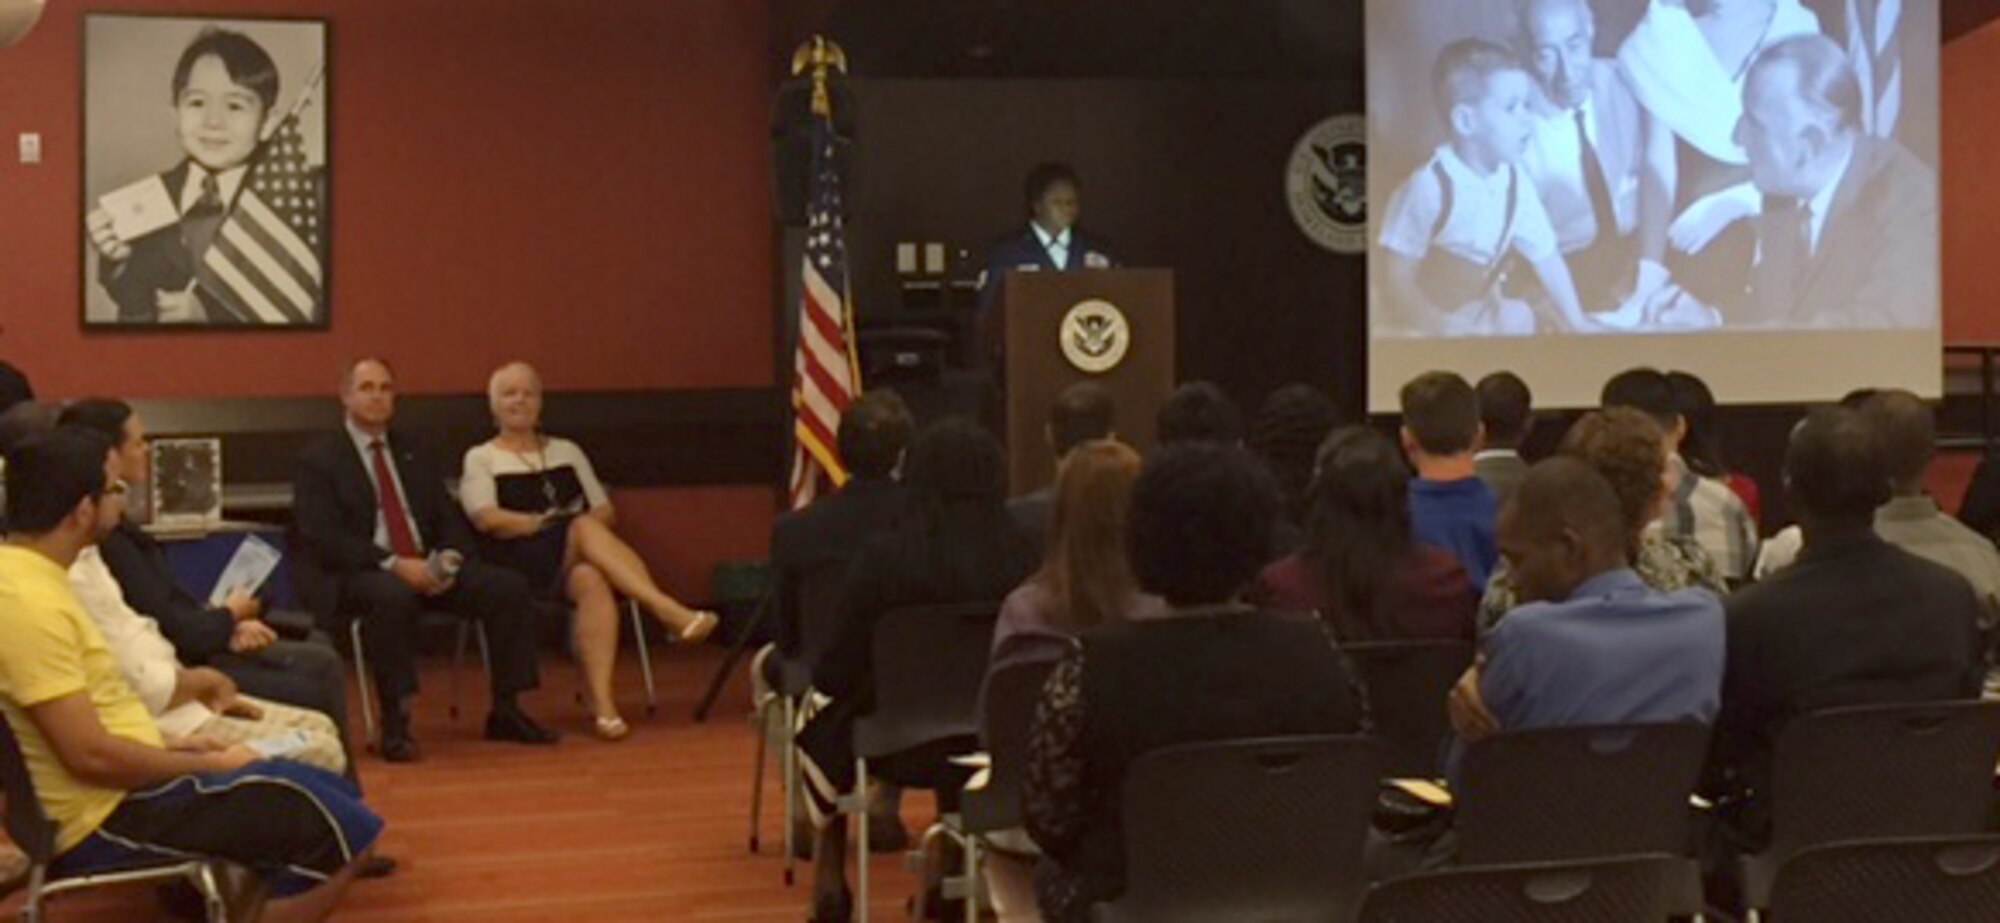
{"x":1095,"y":336}
{"x":1326,"y":184}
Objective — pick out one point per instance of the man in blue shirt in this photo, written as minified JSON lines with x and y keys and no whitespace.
{"x":1595,"y":645}
{"x":1449,"y":506}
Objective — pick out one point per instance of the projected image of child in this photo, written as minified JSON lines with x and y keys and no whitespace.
{"x":1455,"y":227}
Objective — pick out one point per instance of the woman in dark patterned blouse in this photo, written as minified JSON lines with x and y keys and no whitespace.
{"x":1211,"y":669}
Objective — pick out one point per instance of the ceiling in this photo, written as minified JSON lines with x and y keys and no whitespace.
{"x":1140,"y":39}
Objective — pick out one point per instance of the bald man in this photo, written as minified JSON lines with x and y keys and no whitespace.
{"x":1604,"y":167}
{"x":1593,"y":644}
{"x":1848,"y":237}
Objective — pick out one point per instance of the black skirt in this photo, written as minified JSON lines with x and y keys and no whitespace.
{"x":538,"y":557}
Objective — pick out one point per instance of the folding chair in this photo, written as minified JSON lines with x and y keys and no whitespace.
{"x":1269,"y":829}
{"x":1407,"y":683}
{"x":1633,"y":889}
{"x":466,"y":628}
{"x":1876,"y":771}
{"x":1909,"y":880}
{"x":32,"y":830}
{"x":819,"y":599}
{"x":928,"y":663}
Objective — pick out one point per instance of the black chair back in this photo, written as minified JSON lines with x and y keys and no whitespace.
{"x":1407,"y":683}
{"x":1555,"y":794}
{"x":1268,"y":830}
{"x":818,"y":614}
{"x":1618,"y":890}
{"x":1925,"y":880}
{"x":1009,"y":710}
{"x":27,"y":826}
{"x":929,"y":662}
{"x":1883,"y":771}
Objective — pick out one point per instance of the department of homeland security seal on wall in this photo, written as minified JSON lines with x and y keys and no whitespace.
{"x":1095,"y":336}
{"x":1326,"y":184}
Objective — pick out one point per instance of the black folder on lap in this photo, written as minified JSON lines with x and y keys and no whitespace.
{"x":556,"y":490}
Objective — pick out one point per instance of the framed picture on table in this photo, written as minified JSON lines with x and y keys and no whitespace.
{"x":187,"y":484}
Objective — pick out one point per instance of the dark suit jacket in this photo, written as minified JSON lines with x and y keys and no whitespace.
{"x":160,"y":261}
{"x":334,"y":509}
{"x":828,"y":533}
{"x":1854,"y":621}
{"x":198,"y":631}
{"x":1877,"y":261}
{"x":1021,"y":250}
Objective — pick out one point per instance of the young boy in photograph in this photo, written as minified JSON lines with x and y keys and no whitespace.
{"x":1454,"y":224}
{"x":224,"y":89}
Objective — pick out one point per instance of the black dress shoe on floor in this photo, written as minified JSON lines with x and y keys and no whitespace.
{"x":511,"y":725}
{"x":400,"y":748}
{"x":376,"y":867}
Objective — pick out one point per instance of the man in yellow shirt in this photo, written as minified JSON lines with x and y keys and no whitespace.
{"x":117,"y":791}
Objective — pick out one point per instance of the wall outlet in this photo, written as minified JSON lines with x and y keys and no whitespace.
{"x":31,"y":147}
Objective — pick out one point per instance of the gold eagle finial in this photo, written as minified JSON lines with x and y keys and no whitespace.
{"x":820,"y":56}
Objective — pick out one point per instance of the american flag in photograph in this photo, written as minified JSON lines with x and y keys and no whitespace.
{"x":264,"y":267}
{"x":826,"y":378}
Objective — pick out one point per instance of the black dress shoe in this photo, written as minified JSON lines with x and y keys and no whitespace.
{"x":511,"y":725}
{"x":400,"y":747}
{"x":376,"y":867}
{"x":832,"y":908}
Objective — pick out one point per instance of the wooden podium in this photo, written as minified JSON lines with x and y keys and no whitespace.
{"x":1112,"y":326}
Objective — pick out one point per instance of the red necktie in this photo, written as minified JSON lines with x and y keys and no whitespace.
{"x":401,"y":540}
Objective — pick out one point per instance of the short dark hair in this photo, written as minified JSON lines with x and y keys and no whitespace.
{"x":1043,"y":176}
{"x":248,"y":64}
{"x":874,"y":432}
{"x":1907,"y":432}
{"x":347,"y":371}
{"x":1199,"y":412}
{"x":1082,"y":412}
{"x":1201,"y":521}
{"x":25,"y":419}
{"x":1463,"y":71}
{"x":1702,"y":448}
{"x":1834,"y":467}
{"x":48,"y":474}
{"x":1646,"y":390}
{"x":1287,"y":433}
{"x":1442,"y":412}
{"x":1565,"y":491}
{"x":1506,"y":408}
{"x":102,"y":415}
{"x":14,"y":386}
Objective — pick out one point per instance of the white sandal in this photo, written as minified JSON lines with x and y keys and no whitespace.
{"x":612,"y":729}
{"x":697,"y":631}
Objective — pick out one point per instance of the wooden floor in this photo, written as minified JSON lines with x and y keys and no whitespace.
{"x":651,"y":828}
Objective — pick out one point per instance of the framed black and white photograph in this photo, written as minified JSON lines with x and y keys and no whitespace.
{"x":205,"y":172}
{"x":187,"y":483}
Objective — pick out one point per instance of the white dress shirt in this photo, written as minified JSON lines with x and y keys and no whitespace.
{"x":146,"y":657}
{"x":227,"y":182}
{"x":1056,"y":245}
{"x":362,"y":443}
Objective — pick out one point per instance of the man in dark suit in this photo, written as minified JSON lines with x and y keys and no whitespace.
{"x":1506,"y":410}
{"x":1082,"y":412}
{"x":1051,"y":242}
{"x":1854,"y":621}
{"x":1848,"y":233}
{"x":373,"y":514}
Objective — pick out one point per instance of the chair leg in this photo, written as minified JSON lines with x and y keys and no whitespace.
{"x":31,"y":912}
{"x":645,"y":657}
{"x":211,"y":894}
{"x":975,"y":877}
{"x":363,"y":680}
{"x":790,"y":761}
{"x":860,"y":848}
{"x":763,"y":722}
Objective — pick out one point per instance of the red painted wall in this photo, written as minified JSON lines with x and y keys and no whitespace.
{"x":582,"y":184}
{"x":1971,"y":187}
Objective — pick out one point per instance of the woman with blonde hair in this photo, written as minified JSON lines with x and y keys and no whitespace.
{"x":538,"y":503}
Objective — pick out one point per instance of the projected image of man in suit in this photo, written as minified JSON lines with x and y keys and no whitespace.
{"x":1848,"y":233}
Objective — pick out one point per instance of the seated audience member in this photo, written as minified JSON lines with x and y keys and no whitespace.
{"x":1082,"y":412}
{"x":1286,"y":436}
{"x":1211,"y":669}
{"x":1362,"y":570}
{"x":544,"y":515}
{"x":1591,"y":643}
{"x":232,"y":637}
{"x":14,"y":387}
{"x":1086,"y":578}
{"x":1625,"y":447}
{"x":19,"y":422}
{"x":1855,"y":621}
{"x":1701,"y":508}
{"x":1506,"y":413}
{"x":1449,"y":506}
{"x":1779,"y":551}
{"x":373,"y":515}
{"x":1199,"y":412}
{"x":89,"y":742}
{"x":1701,"y":448}
{"x":957,"y":545}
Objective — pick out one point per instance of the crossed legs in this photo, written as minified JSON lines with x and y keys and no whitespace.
{"x":598,"y":566}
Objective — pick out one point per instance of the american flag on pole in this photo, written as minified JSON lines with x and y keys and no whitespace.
{"x":264,"y":266}
{"x":826,"y":377}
